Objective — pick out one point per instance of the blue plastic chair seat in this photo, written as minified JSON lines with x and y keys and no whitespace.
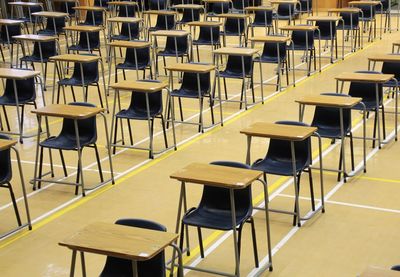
{"x":34,"y":59}
{"x":65,"y":142}
{"x":268,"y":59}
{"x":136,"y":114}
{"x":260,"y":24}
{"x":132,"y":66}
{"x":185,"y":93}
{"x":301,"y":47}
{"x":211,"y":219}
{"x":78,"y":47}
{"x":76,"y":81}
{"x":232,"y":74}
{"x":9,"y":100}
{"x":370,"y":105}
{"x":205,"y":42}
{"x":278,"y":167}
{"x":171,"y":53}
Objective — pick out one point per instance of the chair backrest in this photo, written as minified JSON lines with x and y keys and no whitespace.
{"x":157,"y":4}
{"x":327,"y":29}
{"x":97,"y":15}
{"x":286,"y":9}
{"x":271,"y":50}
{"x":165,"y":22}
{"x":215,"y":198}
{"x":234,"y":64}
{"x":206,"y":33}
{"x":350,"y":19}
{"x":59,"y":22}
{"x":181,"y":43}
{"x":142,"y":54}
{"x":189,"y":82}
{"x":94,"y":40}
{"x":190,"y":15}
{"x":5,"y":163}
{"x":127,"y":11}
{"x":100,"y":3}
{"x":49,"y":49}
{"x":306,"y":5}
{"x":90,"y":72}
{"x":241,"y":4}
{"x":263,"y":17}
{"x":219,"y":8}
{"x":366,"y":90}
{"x":86,"y":127}
{"x":13,"y":30}
{"x":368,"y":11}
{"x":138,"y":101}
{"x":300,"y":38}
{"x":67,"y":7}
{"x":327,"y":116}
{"x":234,"y":26}
{"x":154,"y":267}
{"x":133,"y":27}
{"x":25,"y":88}
{"x":391,"y":68}
{"x":281,"y":150}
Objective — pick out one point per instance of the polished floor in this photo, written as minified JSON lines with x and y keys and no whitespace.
{"x":360,"y":226}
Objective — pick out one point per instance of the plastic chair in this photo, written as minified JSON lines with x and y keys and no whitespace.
{"x":214,"y":211}
{"x":85,"y":44}
{"x":287,"y":12}
{"x":91,"y":78}
{"x":234,"y":70}
{"x":367,"y":17}
{"x":127,"y":11}
{"x":6,"y":176}
{"x":26,"y":91}
{"x":236,"y":28}
{"x":6,"y":37}
{"x":240,"y":5}
{"x":143,"y":62}
{"x":262,"y":19}
{"x":178,"y":50}
{"x":124,"y":33}
{"x":157,"y":4}
{"x":94,"y":18}
{"x":385,"y":11}
{"x":53,"y":27}
{"x":137,"y":110}
{"x":351,"y":23}
{"x":155,"y":267}
{"x":66,"y":141}
{"x":327,"y":120}
{"x":395,"y":268}
{"x":164,"y":22}
{"x":304,"y":41}
{"x":216,"y":9}
{"x":208,"y":35}
{"x":391,"y":68}
{"x":189,"y":89}
{"x":368,"y":94}
{"x":270,"y":55}
{"x":327,"y":32}
{"x":189,"y":15}
{"x":306,"y":6}
{"x":278,"y":160}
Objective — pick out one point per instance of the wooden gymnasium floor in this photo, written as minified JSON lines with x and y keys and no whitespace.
{"x":360,"y":227}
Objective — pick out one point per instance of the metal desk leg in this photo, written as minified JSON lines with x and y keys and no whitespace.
{"x":20,"y":120}
{"x":377,"y":115}
{"x":73,"y":260}
{"x":296,"y":191}
{"x":235,"y":242}
{"x":248,"y":150}
{"x":342,"y":146}
{"x":83,"y":264}
{"x":78,"y":146}
{"x":134,"y":269}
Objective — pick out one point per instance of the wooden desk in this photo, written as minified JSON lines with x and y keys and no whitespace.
{"x":89,"y":8}
{"x":299,"y":28}
{"x":84,"y":28}
{"x":205,"y":23}
{"x":377,"y":79}
{"x":170,"y":33}
{"x":271,"y":39}
{"x":379,"y":272}
{"x":191,"y":67}
{"x":147,"y":87}
{"x":119,"y":241}
{"x":238,"y":17}
{"x":230,"y":178}
{"x":10,"y":144}
{"x":51,"y":14}
{"x":371,"y":4}
{"x":292,"y":134}
{"x":259,"y":8}
{"x":17,"y":74}
{"x":124,"y":4}
{"x":236,"y":51}
{"x":10,"y":21}
{"x":188,"y":6}
{"x":124,"y":19}
{"x":391,"y":58}
{"x":160,"y":12}
{"x":343,"y":10}
{"x":340,"y":103}
{"x":76,"y":58}
{"x":74,"y":113}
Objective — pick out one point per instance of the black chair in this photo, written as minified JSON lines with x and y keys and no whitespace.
{"x":128,"y":31}
{"x":137,"y":110}
{"x":208,"y":35}
{"x":94,"y":18}
{"x":240,"y":5}
{"x":100,"y":3}
{"x":164,"y":22}
{"x":214,"y":211}
{"x":189,"y":15}
{"x":90,"y":76}
{"x":66,"y":141}
{"x":174,"y":47}
{"x":26,"y":92}
{"x":367,"y":92}
{"x":68,"y":7}
{"x":157,"y":4}
{"x":278,"y":161}
{"x":270,"y":55}
{"x":328,"y":32}
{"x":287,"y":12}
{"x":6,"y":37}
{"x":367,"y":17}
{"x":385,"y":11}
{"x":54,"y":27}
{"x":49,"y":49}
{"x":351,"y":23}
{"x":391,"y":68}
{"x":235,"y":28}
{"x":304,"y":41}
{"x":215,"y":9}
{"x":189,"y":89}
{"x":306,"y":6}
{"x":262,"y":19}
{"x":327,"y":120}
{"x":155,"y":267}
{"x":6,"y":176}
{"x":127,"y":11}
{"x":88,"y":42}
{"x":234,"y":70}
{"x":143,"y":61}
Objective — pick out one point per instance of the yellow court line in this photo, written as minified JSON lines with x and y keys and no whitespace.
{"x":384,"y":180}
{"x":81,"y":201}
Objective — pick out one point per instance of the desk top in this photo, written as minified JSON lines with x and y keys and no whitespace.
{"x":83,"y":28}
{"x":394,"y":43}
{"x":6,"y":144}
{"x":216,"y":1}
{"x":278,"y":131}
{"x":129,"y":44}
{"x":364,"y":3}
{"x":259,"y":8}
{"x":170,"y":33}
{"x":160,"y":12}
{"x":379,"y":272}
{"x":299,"y":28}
{"x":323,"y":18}
{"x":140,"y":86}
{"x":329,"y":101}
{"x":26,"y":4}
{"x":216,"y":175}
{"x":38,"y":38}
{"x":50,"y":14}
{"x":69,"y":1}
{"x":277,"y":39}
{"x":233,"y":15}
{"x":124,"y":19}
{"x":385,"y":58}
{"x":119,"y":241}
{"x":75,"y":58}
{"x":89,"y":8}
{"x":122,"y":3}
{"x":17,"y":74}
{"x":68,"y":111}
{"x":205,"y":23}
{"x":10,"y":21}
{"x":237,"y":51}
{"x":191,"y":67}
{"x":284,"y":1}
{"x":364,"y":77}
{"x":188,"y":6}
{"x":344,"y":10}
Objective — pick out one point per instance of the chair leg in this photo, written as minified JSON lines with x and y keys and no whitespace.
{"x":374,"y":132}
{"x":181,"y":237}
{"x":164,"y":131}
{"x":310,"y":179}
{"x":253,"y":235}
{"x":165,"y":65}
{"x":63,"y":163}
{"x":98,"y":163}
{"x":200,"y":242}
{"x":115,"y":133}
{"x":14,"y":204}
{"x":78,"y":175}
{"x":340,"y":165}
{"x":99,"y":92}
{"x":212,"y":110}
{"x":151,"y":155}
{"x":239,"y":241}
{"x":198,"y":53}
{"x":180,"y":108}
{"x":252,"y":88}
{"x":73,"y":93}
{"x":242,"y":95}
{"x":6,"y":118}
{"x":352,"y":150}
{"x":130,"y":131}
{"x":40,"y":166}
{"x":225,"y":89}
{"x":298,"y":190}
{"x":383,"y":122}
